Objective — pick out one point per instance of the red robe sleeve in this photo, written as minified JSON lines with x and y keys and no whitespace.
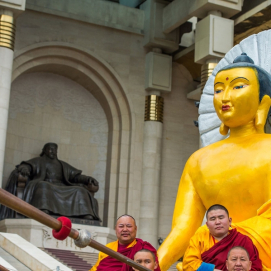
{"x":254,"y":255}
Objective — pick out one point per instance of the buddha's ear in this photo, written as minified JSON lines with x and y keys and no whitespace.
{"x":223,"y":130}
{"x":262,"y":113}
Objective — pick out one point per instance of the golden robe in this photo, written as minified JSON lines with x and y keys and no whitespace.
{"x":258,"y":228}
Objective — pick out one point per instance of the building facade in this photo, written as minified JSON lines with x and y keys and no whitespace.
{"x":113,"y":87}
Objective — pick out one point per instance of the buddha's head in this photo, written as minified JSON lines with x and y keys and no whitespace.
{"x":242,"y":93}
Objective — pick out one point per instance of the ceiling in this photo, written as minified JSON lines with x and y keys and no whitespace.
{"x":132,"y":3}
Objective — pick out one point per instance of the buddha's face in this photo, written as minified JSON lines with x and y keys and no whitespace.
{"x":236,"y":96}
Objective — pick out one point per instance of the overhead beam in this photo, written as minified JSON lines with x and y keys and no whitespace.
{"x":186,"y":58}
{"x":252,"y":22}
{"x":179,"y":11}
{"x":96,"y":12}
{"x":256,"y":10}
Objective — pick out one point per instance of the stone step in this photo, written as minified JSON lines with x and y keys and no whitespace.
{"x":70,"y":259}
{"x":78,"y":260}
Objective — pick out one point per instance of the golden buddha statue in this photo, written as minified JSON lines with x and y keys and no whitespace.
{"x":234,"y":172}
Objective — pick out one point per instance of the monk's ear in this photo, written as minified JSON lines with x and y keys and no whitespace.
{"x":250,"y":265}
{"x":227,"y":265}
{"x":223,"y":130}
{"x":262,"y":113}
{"x":230,"y":220}
{"x":155,"y":265}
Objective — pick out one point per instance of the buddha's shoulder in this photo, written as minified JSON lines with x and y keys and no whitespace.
{"x":199,"y":154}
{"x":207,"y":149}
{"x":263,"y":137}
{"x":259,"y":140}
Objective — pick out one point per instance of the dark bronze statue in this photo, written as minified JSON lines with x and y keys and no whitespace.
{"x":54,"y":187}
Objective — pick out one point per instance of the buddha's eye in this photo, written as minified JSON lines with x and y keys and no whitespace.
{"x":218,"y":91}
{"x":239,"y":87}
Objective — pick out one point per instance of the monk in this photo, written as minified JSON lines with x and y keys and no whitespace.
{"x":127,"y":244}
{"x":238,"y":259}
{"x":234,"y":172}
{"x":209,"y":247}
{"x":146,"y":258}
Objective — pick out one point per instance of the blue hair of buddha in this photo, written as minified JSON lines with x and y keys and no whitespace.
{"x":264,"y":78}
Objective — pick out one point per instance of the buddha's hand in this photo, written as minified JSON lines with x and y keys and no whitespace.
{"x":24,"y":170}
{"x":217,"y":269}
{"x":179,"y":266}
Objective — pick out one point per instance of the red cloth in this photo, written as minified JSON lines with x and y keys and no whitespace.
{"x":65,"y":230}
{"x":111,"y":264}
{"x":217,"y":255}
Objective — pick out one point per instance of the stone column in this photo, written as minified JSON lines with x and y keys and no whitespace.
{"x":157,"y":79}
{"x":7,"y":36}
{"x":151,"y":168}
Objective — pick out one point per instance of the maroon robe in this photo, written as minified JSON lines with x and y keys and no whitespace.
{"x":111,"y":264}
{"x":217,"y":255}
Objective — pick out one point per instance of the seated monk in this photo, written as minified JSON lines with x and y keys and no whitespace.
{"x":234,"y":172}
{"x":55,"y":187}
{"x":146,"y":258}
{"x":127,"y":245}
{"x":208,"y":248}
{"x":238,"y":259}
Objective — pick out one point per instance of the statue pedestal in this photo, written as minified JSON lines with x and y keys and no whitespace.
{"x":41,"y":236}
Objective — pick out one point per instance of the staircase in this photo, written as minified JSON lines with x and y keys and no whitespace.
{"x":78,"y":260}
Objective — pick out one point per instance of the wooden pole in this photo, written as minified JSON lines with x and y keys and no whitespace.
{"x":30,"y":211}
{"x":2,"y":268}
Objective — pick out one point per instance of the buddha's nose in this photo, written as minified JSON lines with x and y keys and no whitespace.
{"x":226,"y":96}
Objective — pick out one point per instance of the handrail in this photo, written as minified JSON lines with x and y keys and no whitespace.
{"x":30,"y":211}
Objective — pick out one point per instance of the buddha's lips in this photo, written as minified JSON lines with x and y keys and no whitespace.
{"x":225,"y":107}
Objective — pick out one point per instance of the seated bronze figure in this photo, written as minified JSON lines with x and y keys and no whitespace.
{"x":54,"y":187}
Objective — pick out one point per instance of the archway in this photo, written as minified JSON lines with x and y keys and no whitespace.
{"x":95,"y":75}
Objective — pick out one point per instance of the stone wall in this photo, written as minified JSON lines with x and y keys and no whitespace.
{"x":124,"y":55}
{"x":121,"y":56}
{"x":180,"y":140}
{"x":46,"y":107}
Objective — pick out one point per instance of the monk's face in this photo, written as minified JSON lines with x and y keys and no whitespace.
{"x":236,"y":96}
{"x":238,"y":260}
{"x":218,"y":223}
{"x":126,"y":230}
{"x":145,"y":259}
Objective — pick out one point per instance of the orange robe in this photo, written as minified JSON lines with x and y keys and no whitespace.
{"x":204,"y":248}
{"x":257,"y":228}
{"x":202,"y":241}
{"x":114,"y":246}
{"x":106,"y":263}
